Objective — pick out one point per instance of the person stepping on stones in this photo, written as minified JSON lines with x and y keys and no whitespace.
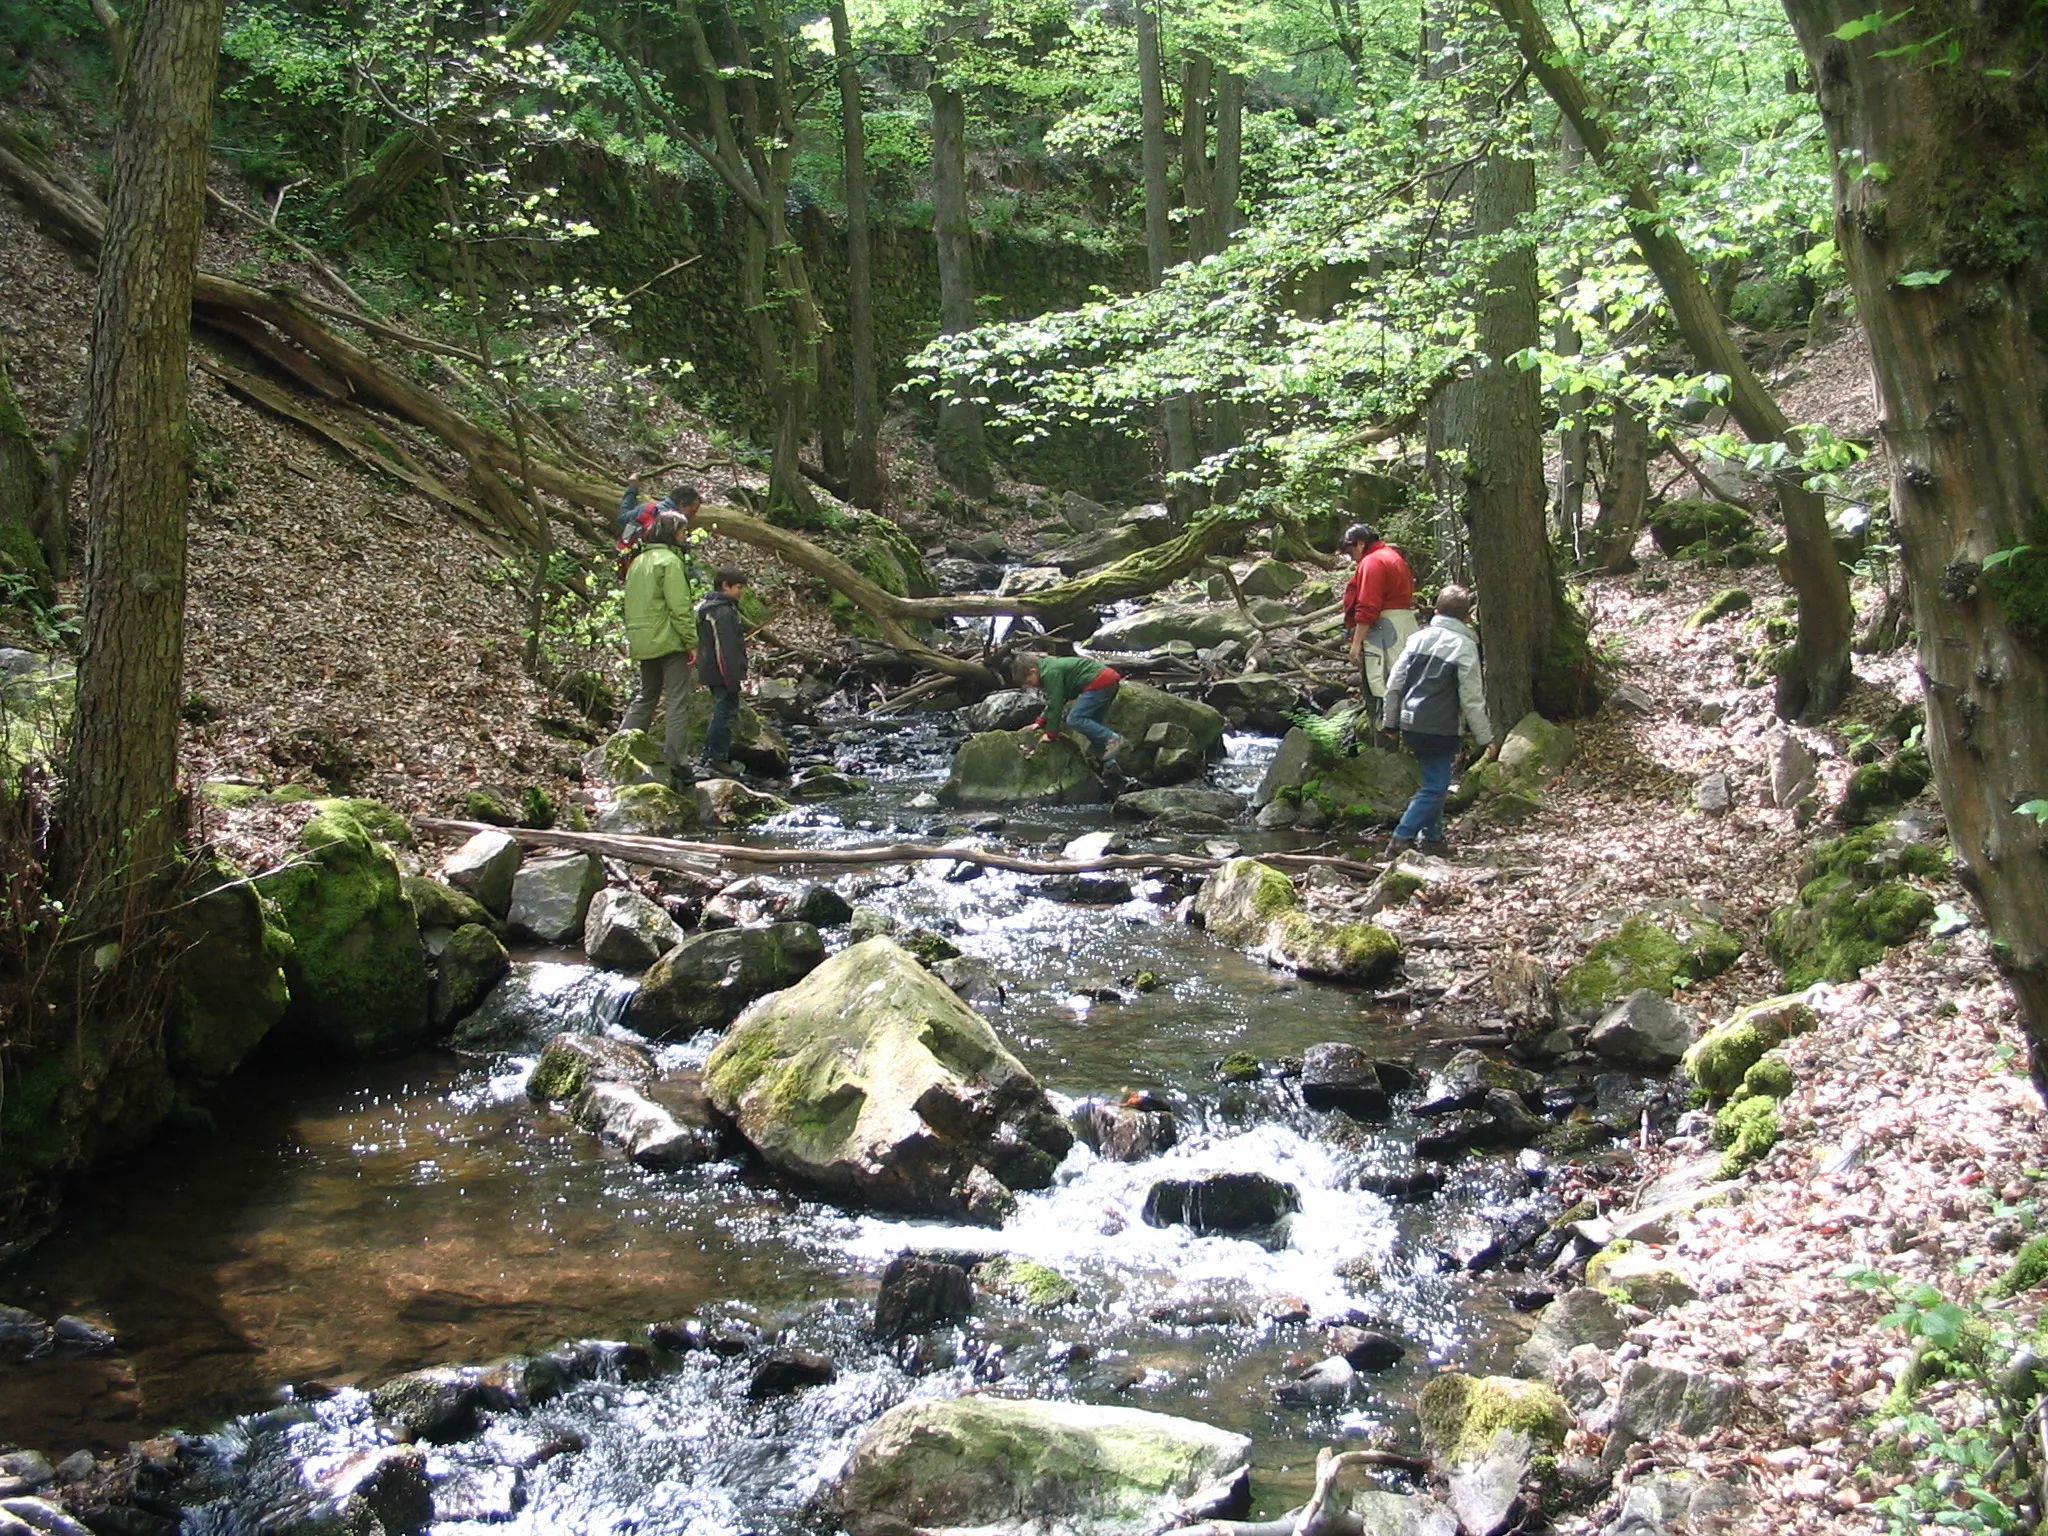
{"x":1078,"y":692}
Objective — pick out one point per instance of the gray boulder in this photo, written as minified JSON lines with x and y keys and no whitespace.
{"x":1579,"y":1316}
{"x":551,"y":896}
{"x":1009,"y":710}
{"x":651,"y":1135}
{"x":1269,"y":578}
{"x":1001,"y":768}
{"x":1664,"y":1398}
{"x":1056,"y":1468}
{"x":650,"y":810}
{"x":704,"y":981}
{"x":537,"y":1000}
{"x":1464,"y":1081}
{"x":1158,"y":624}
{"x":467,"y":963}
{"x":1149,"y":804}
{"x":1793,"y":772}
{"x":1124,"y":1133}
{"x":624,"y":931}
{"x":1232,"y":1203}
{"x":1644,"y":1029}
{"x":870,"y":1079}
{"x":1261,"y":701}
{"x":570,"y":1064}
{"x":1711,"y":795}
{"x":1342,"y":1076}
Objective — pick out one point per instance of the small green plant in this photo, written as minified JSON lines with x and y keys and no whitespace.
{"x":1976,"y":1466}
{"x":1333,"y":732}
{"x":53,"y":623}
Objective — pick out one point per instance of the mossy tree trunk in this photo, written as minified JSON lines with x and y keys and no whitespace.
{"x":863,"y":456}
{"x":1178,"y":413}
{"x":1819,"y":673}
{"x":1511,"y":559}
{"x":1962,"y":374}
{"x":120,"y":809}
{"x":962,"y":449}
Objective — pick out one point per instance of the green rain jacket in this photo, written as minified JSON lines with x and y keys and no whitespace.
{"x":660,"y":604}
{"x":1064,"y":679}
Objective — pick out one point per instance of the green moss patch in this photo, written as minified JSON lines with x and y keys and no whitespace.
{"x":1719,"y":606}
{"x":1679,"y":524}
{"x":1661,"y":951}
{"x":1857,"y":901}
{"x":1026,"y":1282}
{"x":1744,"y":1130}
{"x":1461,"y":1414}
{"x":1720,"y":1060}
{"x":1876,"y":788}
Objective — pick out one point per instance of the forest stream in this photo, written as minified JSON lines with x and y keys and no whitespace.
{"x":347,"y":1226}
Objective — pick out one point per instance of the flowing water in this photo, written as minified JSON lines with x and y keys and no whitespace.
{"x":340,"y":1228}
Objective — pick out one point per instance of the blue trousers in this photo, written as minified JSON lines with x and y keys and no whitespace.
{"x":1424,"y":817}
{"x":1085,"y":714}
{"x":725,"y":709}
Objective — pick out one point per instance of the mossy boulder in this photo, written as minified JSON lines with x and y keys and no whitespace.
{"x":1158,"y":624}
{"x":438,"y":905}
{"x":1720,"y":1060}
{"x":1514,"y":787}
{"x":1366,"y":786}
{"x":871,"y":1080}
{"x":883,"y":553}
{"x":469,"y":964}
{"x":1138,"y":707}
{"x":1020,"y":768}
{"x":1719,"y":606}
{"x":651,"y":810}
{"x":632,"y":757}
{"x":756,"y":744}
{"x":358,"y":971}
{"x":232,"y":989}
{"x":1744,"y":1130}
{"x":1632,"y":1273}
{"x":489,"y":807}
{"x":1026,"y":1282}
{"x":704,"y":981}
{"x":1876,"y":788}
{"x":1461,"y":1414}
{"x":1008,"y":1463}
{"x":1661,"y":950}
{"x":570,"y":1063}
{"x":1254,"y":906}
{"x":1857,"y":899}
{"x":729,"y":803}
{"x":1677,"y":524}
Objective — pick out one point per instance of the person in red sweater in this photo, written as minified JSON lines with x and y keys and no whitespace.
{"x":1379,"y":606}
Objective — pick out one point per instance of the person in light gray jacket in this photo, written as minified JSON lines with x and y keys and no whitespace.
{"x":1436,"y":681}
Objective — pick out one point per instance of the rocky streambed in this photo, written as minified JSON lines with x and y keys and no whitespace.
{"x":610,"y":1265}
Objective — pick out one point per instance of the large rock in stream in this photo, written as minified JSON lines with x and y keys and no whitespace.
{"x":358,"y":970}
{"x":1062,"y":1469}
{"x":232,"y":987}
{"x":704,"y":981}
{"x":872,"y":1080}
{"x":1255,"y":907}
{"x":1020,"y":768}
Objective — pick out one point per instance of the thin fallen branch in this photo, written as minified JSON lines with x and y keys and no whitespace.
{"x":1321,"y":1515}
{"x":679,"y":853}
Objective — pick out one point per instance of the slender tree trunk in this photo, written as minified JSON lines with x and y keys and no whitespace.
{"x":1197,"y":182}
{"x":863,"y":458}
{"x":962,"y":451}
{"x":1624,"y":492}
{"x":1180,"y":423}
{"x":1962,"y":372}
{"x":120,"y":810}
{"x":1820,"y":672}
{"x":22,"y":480}
{"x":1511,"y":560}
{"x":1572,"y":431}
{"x":1226,"y":420}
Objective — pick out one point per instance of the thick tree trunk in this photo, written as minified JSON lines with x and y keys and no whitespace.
{"x":21,"y":492}
{"x":120,"y":808}
{"x":1962,"y":372}
{"x":1511,"y":560}
{"x":962,"y":450}
{"x":402,"y":158}
{"x":1178,"y":413}
{"x":1624,"y":492}
{"x":1820,"y":671}
{"x":863,"y":451}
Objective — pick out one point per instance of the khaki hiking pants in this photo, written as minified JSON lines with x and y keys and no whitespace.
{"x":1383,"y":644}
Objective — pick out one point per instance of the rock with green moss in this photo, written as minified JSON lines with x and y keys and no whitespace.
{"x":1679,"y":524}
{"x":1744,"y":1130}
{"x":1173,"y":803}
{"x":1770,"y":1078}
{"x":358,"y":972}
{"x":1020,"y":768}
{"x":1856,"y":900}
{"x":2029,"y":1269}
{"x":756,"y":745}
{"x":632,"y":757}
{"x":1461,"y":1414}
{"x":1719,"y":1059}
{"x":439,"y":905}
{"x":490,"y":808}
{"x":1138,"y":707}
{"x":1634,"y":1273}
{"x":233,"y":794}
{"x":1240,"y":1067}
{"x":1161,"y":623}
{"x":1877,"y":788}
{"x":729,"y":803}
{"x":1243,"y":899}
{"x":1367,"y":785}
{"x":1254,"y":906}
{"x":468,"y":965}
{"x":871,"y":1080}
{"x":232,"y":987}
{"x":651,"y":810}
{"x":1515,"y":786}
{"x":1719,"y":606}
{"x":570,"y":1063}
{"x":1669,"y":946}
{"x":1026,"y":1282}
{"x":705,"y":980}
{"x":1067,"y":1469}
{"x":374,"y":817}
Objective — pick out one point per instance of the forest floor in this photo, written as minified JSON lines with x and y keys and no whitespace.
{"x":337,"y":620}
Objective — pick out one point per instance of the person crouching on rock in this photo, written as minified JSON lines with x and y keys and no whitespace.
{"x":722,"y":665}
{"x":1435,"y":680}
{"x":1078,"y":692}
{"x":659,"y":599}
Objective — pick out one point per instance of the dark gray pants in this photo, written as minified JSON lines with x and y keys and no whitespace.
{"x":664,"y":679}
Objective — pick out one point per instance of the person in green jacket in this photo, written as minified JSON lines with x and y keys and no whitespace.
{"x":661,"y":622}
{"x":1078,"y":692}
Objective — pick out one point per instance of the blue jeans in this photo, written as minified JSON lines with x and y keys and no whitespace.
{"x":725,"y":709}
{"x":1424,"y":817}
{"x":1085,"y":715}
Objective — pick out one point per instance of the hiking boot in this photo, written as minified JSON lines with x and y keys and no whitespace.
{"x":681,"y":776}
{"x":1436,"y":847}
{"x":1396,"y":846}
{"x":1114,"y":747}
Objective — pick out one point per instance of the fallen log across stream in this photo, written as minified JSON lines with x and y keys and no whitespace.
{"x":699,"y":858}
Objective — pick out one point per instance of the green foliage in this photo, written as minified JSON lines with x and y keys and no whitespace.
{"x":1333,"y":732}
{"x":2017,"y":579}
{"x":1974,"y":1458}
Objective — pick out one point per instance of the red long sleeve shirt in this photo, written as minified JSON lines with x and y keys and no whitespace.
{"x":1381,"y":582}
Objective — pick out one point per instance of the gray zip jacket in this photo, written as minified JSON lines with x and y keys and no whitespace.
{"x":1435,"y":679}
